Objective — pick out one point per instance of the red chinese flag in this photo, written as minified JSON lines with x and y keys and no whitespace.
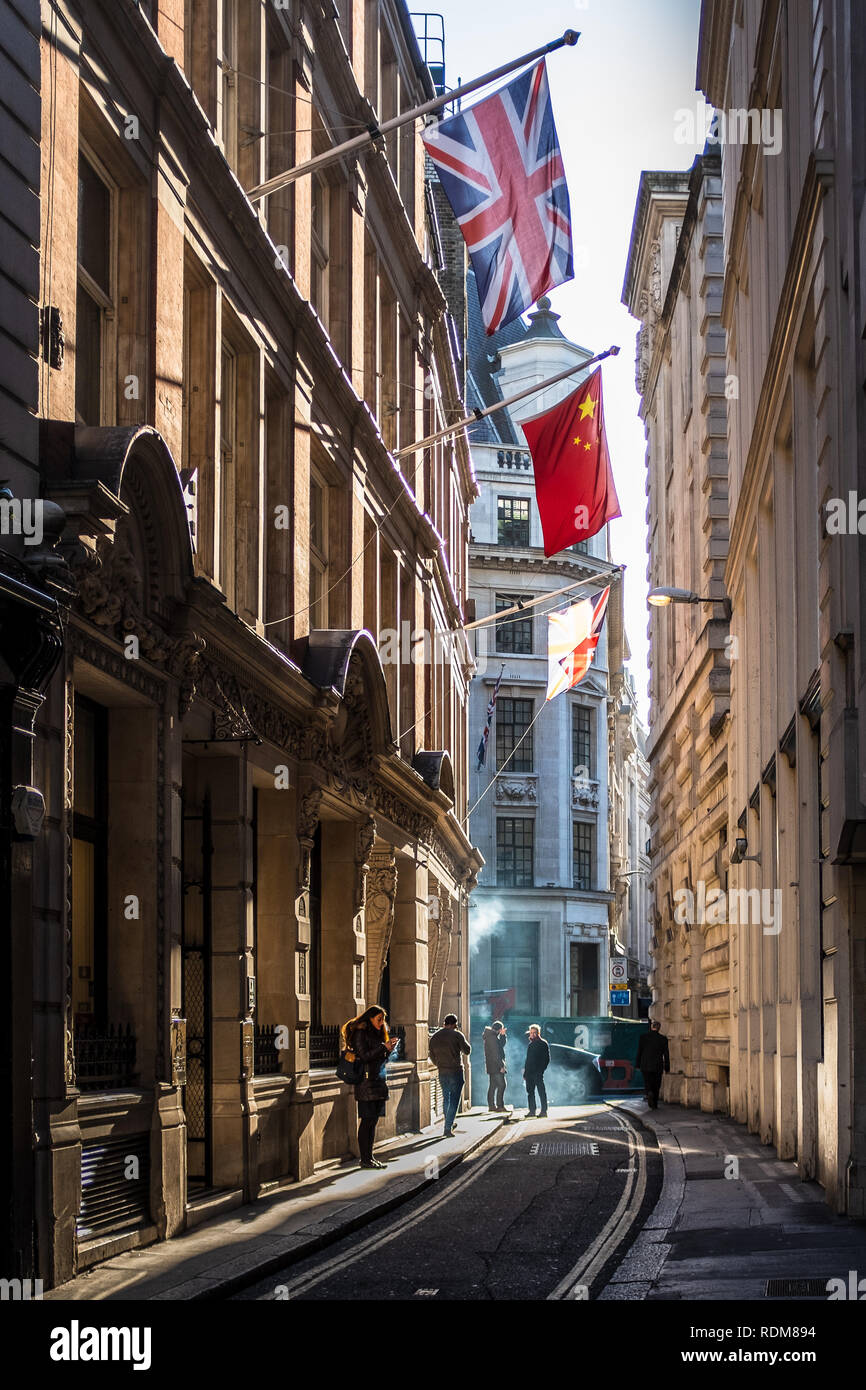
{"x":574,"y":483}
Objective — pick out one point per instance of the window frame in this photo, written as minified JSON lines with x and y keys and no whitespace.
{"x":229,"y":106}
{"x":514,"y":626}
{"x":579,"y":708}
{"x":511,"y":521}
{"x":319,"y":557}
{"x":93,"y":830}
{"x":320,"y":251}
{"x":526,"y":751}
{"x":590,"y":827}
{"x":507,"y":876}
{"x":106,"y":302}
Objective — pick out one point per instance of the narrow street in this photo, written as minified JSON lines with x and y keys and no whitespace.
{"x":545,"y":1210}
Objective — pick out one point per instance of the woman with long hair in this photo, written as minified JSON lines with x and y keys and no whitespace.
{"x":367,"y":1037}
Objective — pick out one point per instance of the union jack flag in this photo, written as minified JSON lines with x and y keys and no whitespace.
{"x":482,"y":747}
{"x":501,"y":170}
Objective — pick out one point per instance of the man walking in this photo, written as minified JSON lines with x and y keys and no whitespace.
{"x":652,"y":1058}
{"x":494,"y":1061}
{"x":446,"y":1050}
{"x":536,"y":1064}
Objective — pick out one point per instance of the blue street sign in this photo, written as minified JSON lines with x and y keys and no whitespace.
{"x":620,"y":998}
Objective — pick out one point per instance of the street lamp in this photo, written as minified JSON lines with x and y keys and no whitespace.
{"x":661,"y":597}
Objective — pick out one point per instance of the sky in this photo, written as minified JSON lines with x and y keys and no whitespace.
{"x":615,"y":98}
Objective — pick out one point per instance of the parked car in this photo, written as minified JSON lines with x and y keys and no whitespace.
{"x":574,"y":1075}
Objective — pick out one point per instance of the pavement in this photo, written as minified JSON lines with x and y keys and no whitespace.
{"x":733,"y":1230}
{"x":222,"y":1255}
{"x":731,"y":1219}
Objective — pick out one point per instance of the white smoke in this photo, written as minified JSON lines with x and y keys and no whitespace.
{"x":486,"y":918}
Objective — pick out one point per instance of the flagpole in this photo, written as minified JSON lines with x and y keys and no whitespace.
{"x":500,"y":405}
{"x":594,"y":578}
{"x":375,"y":132}
{"x":500,"y":771}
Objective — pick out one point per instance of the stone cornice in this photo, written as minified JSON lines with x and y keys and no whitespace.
{"x":713,"y":48}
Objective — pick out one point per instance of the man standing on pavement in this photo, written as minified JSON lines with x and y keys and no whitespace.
{"x":652,"y":1058}
{"x":446,"y":1050}
{"x":494,"y":1061}
{"x":536,"y":1064}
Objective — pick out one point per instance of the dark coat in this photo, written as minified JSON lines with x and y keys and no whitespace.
{"x":447,"y":1048}
{"x":494,"y":1052}
{"x":652,"y":1053}
{"x":537,"y":1057}
{"x":368,"y":1045}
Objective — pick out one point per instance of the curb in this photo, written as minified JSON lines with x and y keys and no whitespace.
{"x":645,"y":1259}
{"x":240,"y":1273}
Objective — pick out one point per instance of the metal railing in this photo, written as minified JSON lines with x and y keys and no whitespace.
{"x":104,"y":1057}
{"x":267,"y":1058}
{"x":325,"y":1044}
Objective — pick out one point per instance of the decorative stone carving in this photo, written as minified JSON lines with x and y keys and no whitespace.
{"x":308,"y":819}
{"x":584,"y":795}
{"x":111,"y":596}
{"x":185,"y":664}
{"x":308,"y":814}
{"x":364,"y":841}
{"x":655,"y":279}
{"x":516,"y":791}
{"x":381,"y":896}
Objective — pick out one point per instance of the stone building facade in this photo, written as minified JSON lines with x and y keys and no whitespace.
{"x":541,"y":916}
{"x":781,"y":827}
{"x":628,"y":792}
{"x":794,"y":313}
{"x":255,"y":767}
{"x":673,"y":284}
{"x":33,"y":597}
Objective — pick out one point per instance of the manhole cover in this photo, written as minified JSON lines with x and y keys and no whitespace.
{"x":796,"y":1288}
{"x":562,"y":1149}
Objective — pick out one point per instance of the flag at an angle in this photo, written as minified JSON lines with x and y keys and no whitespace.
{"x":574,"y":484}
{"x":481,"y":755}
{"x":572,"y":637}
{"x":501,"y":170}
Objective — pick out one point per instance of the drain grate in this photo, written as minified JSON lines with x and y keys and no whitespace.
{"x":796,"y":1288}
{"x":562,"y":1149}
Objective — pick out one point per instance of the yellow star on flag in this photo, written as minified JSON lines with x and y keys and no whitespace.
{"x":587,"y":407}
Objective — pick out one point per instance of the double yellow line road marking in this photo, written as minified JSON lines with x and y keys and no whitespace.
{"x":583,"y":1273}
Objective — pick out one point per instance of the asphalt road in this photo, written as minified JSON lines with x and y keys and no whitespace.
{"x":545,"y":1210}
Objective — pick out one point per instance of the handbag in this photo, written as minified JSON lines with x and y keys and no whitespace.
{"x":350,"y":1071}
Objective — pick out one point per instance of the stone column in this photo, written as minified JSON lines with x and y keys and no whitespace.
{"x":301,"y":1129}
{"x":345,"y":848}
{"x":381,"y":893}
{"x":409,"y":977}
{"x":234,"y":1117}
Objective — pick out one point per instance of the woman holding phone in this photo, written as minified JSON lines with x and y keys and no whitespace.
{"x":367,"y":1036}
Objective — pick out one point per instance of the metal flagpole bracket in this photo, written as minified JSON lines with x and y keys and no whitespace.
{"x":500,"y":405}
{"x":568,"y":40}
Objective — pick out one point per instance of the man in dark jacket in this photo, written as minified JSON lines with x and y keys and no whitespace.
{"x":536,"y":1064}
{"x":446,"y":1050}
{"x":494,"y":1062}
{"x":652,"y":1058}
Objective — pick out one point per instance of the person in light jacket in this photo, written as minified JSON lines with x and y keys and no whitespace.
{"x":494,"y":1061}
{"x":536,"y":1064}
{"x":367,"y":1036}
